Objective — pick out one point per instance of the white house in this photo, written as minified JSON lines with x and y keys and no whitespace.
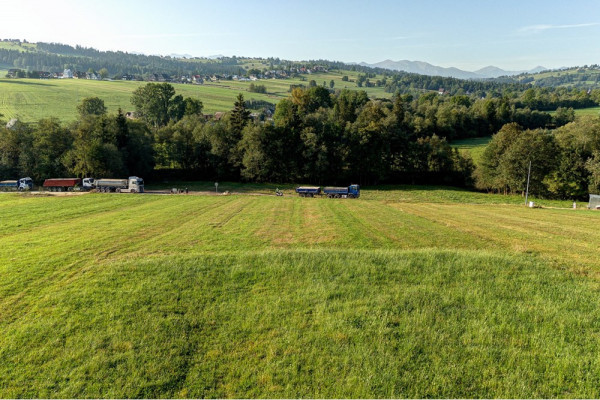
{"x":67,"y":74}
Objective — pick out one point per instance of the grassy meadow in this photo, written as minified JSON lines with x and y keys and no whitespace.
{"x":473,"y":146}
{"x":261,"y":296}
{"x":588,"y":111}
{"x":33,"y":99}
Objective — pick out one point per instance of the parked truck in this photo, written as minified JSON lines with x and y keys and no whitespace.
{"x":308,"y":191}
{"x":17,"y":185}
{"x":131,"y":185}
{"x":350,"y":192}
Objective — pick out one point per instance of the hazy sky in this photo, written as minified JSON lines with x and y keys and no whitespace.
{"x":462,"y":33}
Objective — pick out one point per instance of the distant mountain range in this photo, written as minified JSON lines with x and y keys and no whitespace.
{"x":423,"y":68}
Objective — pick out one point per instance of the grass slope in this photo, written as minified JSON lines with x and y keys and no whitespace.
{"x":258,"y":296}
{"x":473,"y":146}
{"x":31,"y":99}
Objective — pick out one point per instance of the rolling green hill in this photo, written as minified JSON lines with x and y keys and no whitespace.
{"x":587,"y":77}
{"x":33,"y":99}
{"x":259,"y":296}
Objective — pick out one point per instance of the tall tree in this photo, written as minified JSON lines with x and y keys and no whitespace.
{"x":51,"y":141}
{"x":91,"y":106}
{"x":240,"y":115}
{"x":153,"y":101}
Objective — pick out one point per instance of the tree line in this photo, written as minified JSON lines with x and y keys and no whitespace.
{"x":316,"y":135}
{"x":565,"y":163}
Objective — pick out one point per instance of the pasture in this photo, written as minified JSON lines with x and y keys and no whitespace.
{"x":473,"y":146}
{"x":588,"y":111}
{"x":33,"y":99}
{"x":259,"y":296}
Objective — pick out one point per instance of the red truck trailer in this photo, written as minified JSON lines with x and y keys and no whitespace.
{"x":61,"y":184}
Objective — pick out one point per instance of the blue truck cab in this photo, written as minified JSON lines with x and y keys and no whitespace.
{"x":354,"y":191}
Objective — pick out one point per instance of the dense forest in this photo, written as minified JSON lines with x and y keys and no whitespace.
{"x":51,"y":57}
{"x":315,"y":136}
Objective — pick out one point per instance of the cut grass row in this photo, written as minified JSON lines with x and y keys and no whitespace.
{"x":392,"y":193}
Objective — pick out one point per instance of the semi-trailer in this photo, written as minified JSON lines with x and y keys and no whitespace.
{"x":18,"y":185}
{"x":68,"y":184}
{"x":131,"y":185}
{"x":350,"y":192}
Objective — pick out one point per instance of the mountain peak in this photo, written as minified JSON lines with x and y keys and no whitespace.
{"x":424,"y":68}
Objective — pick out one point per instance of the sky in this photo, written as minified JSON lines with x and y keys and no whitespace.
{"x":467,"y":34}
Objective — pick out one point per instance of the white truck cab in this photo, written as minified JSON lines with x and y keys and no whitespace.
{"x":25,"y":184}
{"x":136,"y":185}
{"x":88,"y":184}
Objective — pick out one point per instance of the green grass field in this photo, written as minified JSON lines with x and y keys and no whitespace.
{"x":588,"y":111}
{"x":259,"y":296}
{"x":33,"y":99}
{"x":474,"y":146}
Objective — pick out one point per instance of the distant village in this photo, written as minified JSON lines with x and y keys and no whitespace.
{"x":185,"y":79}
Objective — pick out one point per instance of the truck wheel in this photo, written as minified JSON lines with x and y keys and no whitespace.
{"x":350,"y":196}
{"x":118,"y":190}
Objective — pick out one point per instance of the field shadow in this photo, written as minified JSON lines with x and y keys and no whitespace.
{"x":410,"y":188}
{"x":25,"y":83}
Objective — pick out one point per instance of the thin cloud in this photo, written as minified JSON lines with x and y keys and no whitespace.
{"x":169,"y":35}
{"x":545,"y":27}
{"x":406,"y":37}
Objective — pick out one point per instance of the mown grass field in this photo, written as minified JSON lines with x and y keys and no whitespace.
{"x":260,"y":296}
{"x":474,"y":147}
{"x":588,"y":111}
{"x":33,"y":99}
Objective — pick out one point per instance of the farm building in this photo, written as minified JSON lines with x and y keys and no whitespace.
{"x":594,"y":202}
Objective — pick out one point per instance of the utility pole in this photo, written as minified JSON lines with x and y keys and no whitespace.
{"x":527,"y":190}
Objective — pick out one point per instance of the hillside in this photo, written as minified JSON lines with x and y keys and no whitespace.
{"x":32,"y":99}
{"x":257,"y":296}
{"x":586,"y":77}
{"x":424,"y":68}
